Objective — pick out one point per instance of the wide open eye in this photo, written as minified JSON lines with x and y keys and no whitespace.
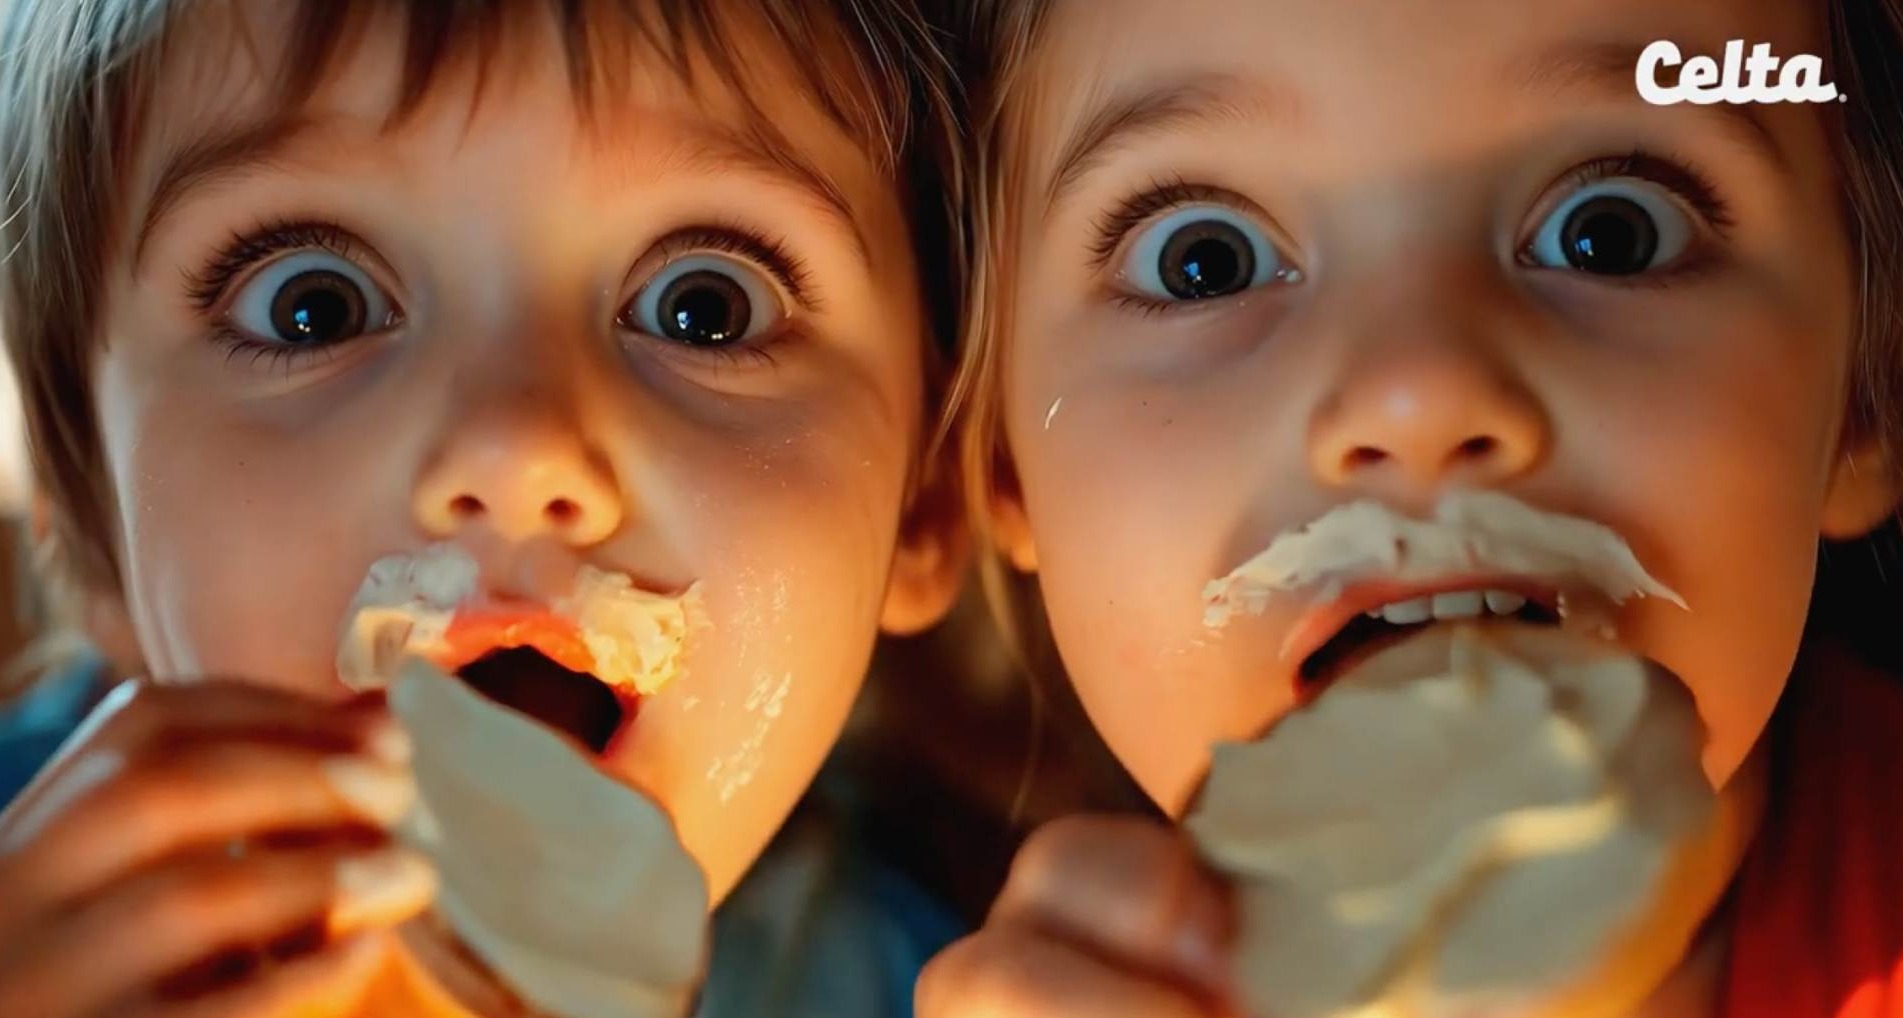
{"x":310,"y":299}
{"x":705,"y":300}
{"x":1619,"y":227}
{"x":1200,"y":252}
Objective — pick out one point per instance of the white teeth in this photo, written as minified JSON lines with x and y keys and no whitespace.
{"x":1455,"y":604}
{"x":1502,"y":602}
{"x":1407,"y":613}
{"x":1461,"y":604}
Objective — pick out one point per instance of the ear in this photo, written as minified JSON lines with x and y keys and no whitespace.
{"x":1864,"y":490}
{"x":1010,"y":524}
{"x":934,"y":551}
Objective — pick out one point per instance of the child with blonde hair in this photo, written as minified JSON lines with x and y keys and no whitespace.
{"x":1315,"y":339}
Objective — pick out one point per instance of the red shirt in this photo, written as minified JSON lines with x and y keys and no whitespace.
{"x":1817,"y":930}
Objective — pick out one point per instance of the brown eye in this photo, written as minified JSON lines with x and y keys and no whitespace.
{"x":1618,"y":227}
{"x":1206,"y":259}
{"x":311,"y":298}
{"x":704,"y":300}
{"x":1199,"y":253}
{"x":703,"y":309}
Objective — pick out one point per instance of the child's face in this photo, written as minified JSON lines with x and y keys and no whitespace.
{"x":509,"y":372}
{"x":1418,"y":173}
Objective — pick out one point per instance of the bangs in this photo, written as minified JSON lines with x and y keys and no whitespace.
{"x":865,"y":64}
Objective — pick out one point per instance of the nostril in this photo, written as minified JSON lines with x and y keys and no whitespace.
{"x":1362,"y":457}
{"x":1479,"y":447}
{"x":563,"y":511}
{"x":463,"y":507}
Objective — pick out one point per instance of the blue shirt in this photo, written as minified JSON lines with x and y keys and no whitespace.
{"x":32,"y":727}
{"x":820,"y":927}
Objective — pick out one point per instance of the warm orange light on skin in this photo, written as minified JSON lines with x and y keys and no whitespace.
{"x":1403,"y":165}
{"x":255,"y":492}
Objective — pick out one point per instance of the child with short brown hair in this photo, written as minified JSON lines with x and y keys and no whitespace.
{"x":308,"y":299}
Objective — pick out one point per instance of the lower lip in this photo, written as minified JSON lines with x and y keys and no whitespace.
{"x":1317,"y":627}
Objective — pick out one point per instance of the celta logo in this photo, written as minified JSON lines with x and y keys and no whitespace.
{"x":1701,"y":82}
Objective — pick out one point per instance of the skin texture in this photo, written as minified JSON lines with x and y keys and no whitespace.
{"x":504,"y":408}
{"x":1403,"y":165}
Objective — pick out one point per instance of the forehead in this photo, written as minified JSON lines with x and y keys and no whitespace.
{"x":222,"y":79}
{"x":1320,"y":66}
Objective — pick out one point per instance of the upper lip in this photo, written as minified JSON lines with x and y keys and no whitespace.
{"x":609,"y":625}
{"x":1322,"y":622}
{"x":1364,"y":554}
{"x":556,"y":637}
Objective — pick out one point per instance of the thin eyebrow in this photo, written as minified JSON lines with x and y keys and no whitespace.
{"x":1609,"y":68}
{"x":1152,"y":110}
{"x":217,"y":155}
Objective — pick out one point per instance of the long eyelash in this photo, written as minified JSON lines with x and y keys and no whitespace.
{"x":274,"y":356}
{"x":207,"y":286}
{"x":1148,"y":307}
{"x":1161,"y":196}
{"x":742,"y":354}
{"x":742,"y":241}
{"x":1679,"y":176}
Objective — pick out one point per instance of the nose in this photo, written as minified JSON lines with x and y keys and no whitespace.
{"x":1413,"y":416}
{"x":524,"y":473}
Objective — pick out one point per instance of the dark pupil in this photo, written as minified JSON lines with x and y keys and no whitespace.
{"x":704,"y":308}
{"x":318,"y":307}
{"x":1610,"y":236}
{"x":1206,"y":259}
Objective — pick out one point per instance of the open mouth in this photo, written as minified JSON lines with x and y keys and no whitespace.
{"x":580,"y":664}
{"x":575,"y":703}
{"x":1375,"y":629}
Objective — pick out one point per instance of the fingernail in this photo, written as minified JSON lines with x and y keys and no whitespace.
{"x":380,"y":792}
{"x":390,"y":741}
{"x":381,"y":888}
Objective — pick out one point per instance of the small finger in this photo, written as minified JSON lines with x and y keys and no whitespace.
{"x":1130,"y":888}
{"x":1018,"y":973}
{"x":198,"y":798}
{"x":140,"y":715}
{"x":326,"y":984}
{"x":182,"y":916}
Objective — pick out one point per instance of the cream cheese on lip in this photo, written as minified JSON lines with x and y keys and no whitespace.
{"x":1471,"y":532}
{"x":408,"y":604}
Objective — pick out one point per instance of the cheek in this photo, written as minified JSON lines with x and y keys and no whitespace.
{"x":220,"y":512}
{"x":1136,"y":494}
{"x":790,"y":534}
{"x":1719,"y":484}
{"x":1746,"y":572}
